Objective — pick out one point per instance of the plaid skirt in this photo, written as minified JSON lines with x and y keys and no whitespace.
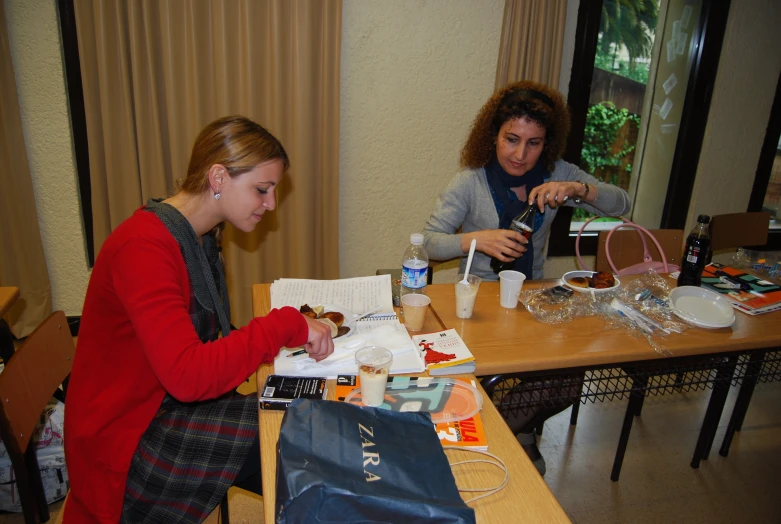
{"x":188,"y":458}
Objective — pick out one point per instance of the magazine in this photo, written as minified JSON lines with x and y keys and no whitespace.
{"x":444,"y":353}
{"x":468,"y":433}
{"x":746,"y":293}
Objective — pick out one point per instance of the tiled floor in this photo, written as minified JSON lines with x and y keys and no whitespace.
{"x":657,"y":484}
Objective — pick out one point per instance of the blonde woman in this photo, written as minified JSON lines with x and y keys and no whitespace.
{"x":154,"y":431}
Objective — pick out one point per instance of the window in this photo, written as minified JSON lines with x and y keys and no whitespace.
{"x":766,"y":194}
{"x":639,"y":95}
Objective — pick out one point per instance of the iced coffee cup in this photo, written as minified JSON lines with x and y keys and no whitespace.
{"x":374,"y":364}
{"x":415,"y":307}
{"x":510,"y":284}
{"x":466,"y":294}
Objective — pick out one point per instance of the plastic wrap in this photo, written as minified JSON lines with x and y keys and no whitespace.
{"x":763,"y":264}
{"x":638,"y":307}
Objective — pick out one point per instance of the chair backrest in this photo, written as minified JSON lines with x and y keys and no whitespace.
{"x":626,"y":247}
{"x":39,"y":366}
{"x":736,"y":230}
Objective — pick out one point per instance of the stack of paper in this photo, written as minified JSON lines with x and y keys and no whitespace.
{"x":356,"y":295}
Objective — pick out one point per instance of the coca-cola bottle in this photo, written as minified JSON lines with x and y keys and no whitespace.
{"x":695,"y":254}
{"x":523,"y":224}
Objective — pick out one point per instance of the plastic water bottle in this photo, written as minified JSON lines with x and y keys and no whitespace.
{"x":414,"y":267}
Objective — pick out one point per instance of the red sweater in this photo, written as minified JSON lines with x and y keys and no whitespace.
{"x":137,"y":342}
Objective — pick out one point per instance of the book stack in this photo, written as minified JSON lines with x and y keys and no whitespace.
{"x":279,"y":391}
{"x":444,"y":353}
{"x":746,"y":293}
{"x":467,"y":433}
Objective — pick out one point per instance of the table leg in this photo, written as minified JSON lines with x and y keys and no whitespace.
{"x":636,"y":397}
{"x":744,"y":398}
{"x":718,"y":397}
{"x":573,"y":417}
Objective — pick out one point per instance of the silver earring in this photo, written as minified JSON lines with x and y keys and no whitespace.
{"x":216,"y":196}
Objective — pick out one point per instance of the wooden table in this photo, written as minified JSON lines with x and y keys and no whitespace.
{"x":511,"y":341}
{"x":8,"y":296}
{"x":526,"y":494}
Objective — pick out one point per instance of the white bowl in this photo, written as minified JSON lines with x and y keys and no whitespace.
{"x":701,"y":307}
{"x":572,"y":274}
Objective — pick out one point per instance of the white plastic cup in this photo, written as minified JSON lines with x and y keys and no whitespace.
{"x":415,"y":306}
{"x":374,"y":364}
{"x":466,"y":294}
{"x":510,"y":285}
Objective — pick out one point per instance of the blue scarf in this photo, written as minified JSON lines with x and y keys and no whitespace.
{"x":508,"y":206}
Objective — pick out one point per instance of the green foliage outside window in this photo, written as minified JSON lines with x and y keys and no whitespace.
{"x":637,"y":72}
{"x":603,"y":154}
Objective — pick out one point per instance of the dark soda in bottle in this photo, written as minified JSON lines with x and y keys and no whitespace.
{"x":523,"y":224}
{"x":695,"y":254}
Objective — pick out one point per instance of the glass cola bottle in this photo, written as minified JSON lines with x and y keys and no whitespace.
{"x":523,"y":224}
{"x":695,"y":254}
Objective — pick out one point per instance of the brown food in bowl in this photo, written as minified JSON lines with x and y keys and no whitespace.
{"x":603,"y":280}
{"x":578,"y":282}
{"x":307,"y":311}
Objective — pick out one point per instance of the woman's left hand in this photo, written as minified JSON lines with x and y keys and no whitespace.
{"x":554,"y":194}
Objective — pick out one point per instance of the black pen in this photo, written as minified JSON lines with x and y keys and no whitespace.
{"x":743,"y":285}
{"x":296,"y":353}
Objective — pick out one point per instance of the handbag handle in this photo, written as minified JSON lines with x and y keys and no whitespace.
{"x":643,"y":232}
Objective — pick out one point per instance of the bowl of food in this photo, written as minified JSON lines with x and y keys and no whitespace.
{"x":593,"y":281}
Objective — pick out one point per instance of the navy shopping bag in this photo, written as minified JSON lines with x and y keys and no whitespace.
{"x":338,"y":462}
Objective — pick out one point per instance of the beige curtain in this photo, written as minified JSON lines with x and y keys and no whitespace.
{"x":156,"y":71}
{"x":532,"y":41}
{"x":22,"y":261}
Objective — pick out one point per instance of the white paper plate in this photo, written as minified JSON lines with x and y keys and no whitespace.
{"x":701,"y":307}
{"x":572,"y":274}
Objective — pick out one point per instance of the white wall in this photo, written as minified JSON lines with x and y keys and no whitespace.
{"x":413,"y":76}
{"x":740,"y":109}
{"x":33,"y":32}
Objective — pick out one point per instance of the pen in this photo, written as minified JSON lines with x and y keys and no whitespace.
{"x":296,"y":353}
{"x":743,"y":285}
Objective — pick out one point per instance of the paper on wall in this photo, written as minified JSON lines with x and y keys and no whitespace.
{"x":671,"y":82}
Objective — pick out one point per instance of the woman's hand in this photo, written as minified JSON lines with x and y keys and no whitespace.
{"x":503,"y":244}
{"x":554,"y":194}
{"x":319,"y":344}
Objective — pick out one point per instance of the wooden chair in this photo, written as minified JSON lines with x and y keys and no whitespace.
{"x":626,"y":247}
{"x":736,"y":230}
{"x":39,"y":366}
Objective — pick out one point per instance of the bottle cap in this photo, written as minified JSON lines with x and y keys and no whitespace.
{"x":416,"y":239}
{"x":703,"y":218}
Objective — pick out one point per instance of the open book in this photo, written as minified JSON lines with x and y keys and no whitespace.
{"x":352,"y":296}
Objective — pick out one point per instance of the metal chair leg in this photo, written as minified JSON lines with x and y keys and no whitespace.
{"x":636,"y":397}
{"x":744,"y":399}
{"x":224,"y":513}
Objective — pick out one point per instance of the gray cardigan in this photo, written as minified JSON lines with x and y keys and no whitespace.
{"x":467,"y":203}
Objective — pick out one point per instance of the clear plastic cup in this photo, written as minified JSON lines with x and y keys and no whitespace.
{"x":466,"y":294}
{"x":374,"y":364}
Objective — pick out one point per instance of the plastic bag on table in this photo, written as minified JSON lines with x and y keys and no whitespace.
{"x":558,"y":305}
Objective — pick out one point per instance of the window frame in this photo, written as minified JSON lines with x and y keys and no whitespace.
{"x":765,"y":168}
{"x":710,"y":36}
{"x":78,"y":118}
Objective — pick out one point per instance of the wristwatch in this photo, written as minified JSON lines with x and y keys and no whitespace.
{"x":579,"y":200}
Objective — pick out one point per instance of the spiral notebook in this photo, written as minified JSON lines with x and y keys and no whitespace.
{"x":377,"y":330}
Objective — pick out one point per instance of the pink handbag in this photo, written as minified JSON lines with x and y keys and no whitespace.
{"x":642,"y":267}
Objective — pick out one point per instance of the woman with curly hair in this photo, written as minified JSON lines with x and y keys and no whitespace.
{"x":512,"y":156}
